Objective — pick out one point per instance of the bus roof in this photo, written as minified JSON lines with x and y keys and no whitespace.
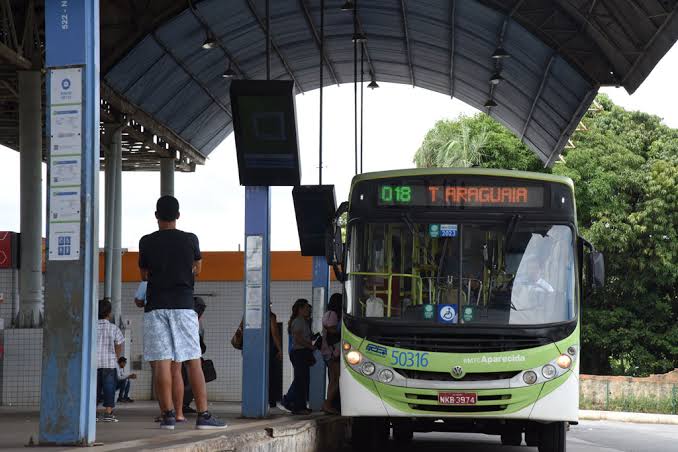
{"x":414,"y":172}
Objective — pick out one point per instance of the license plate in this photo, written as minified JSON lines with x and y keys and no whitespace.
{"x":457,"y":398}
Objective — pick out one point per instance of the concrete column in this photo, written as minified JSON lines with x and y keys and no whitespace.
{"x":30,"y":147}
{"x":167,"y":177}
{"x":116,"y":277}
{"x":109,"y":228}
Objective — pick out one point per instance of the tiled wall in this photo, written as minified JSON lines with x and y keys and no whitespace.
{"x":7,"y":289}
{"x":224,"y":311}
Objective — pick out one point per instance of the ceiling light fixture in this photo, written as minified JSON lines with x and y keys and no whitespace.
{"x":490,"y":103}
{"x":348,"y":6}
{"x":359,"y":37}
{"x":229,"y":73}
{"x":210,"y":42}
{"x":500,"y":52}
{"x":496,"y":78}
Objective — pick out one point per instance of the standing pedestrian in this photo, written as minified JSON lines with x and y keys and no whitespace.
{"x":301,"y":357}
{"x":109,"y":348}
{"x":177,"y":382}
{"x":169,"y":259}
{"x":331,"y":350}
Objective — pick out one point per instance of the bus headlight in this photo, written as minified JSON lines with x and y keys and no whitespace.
{"x":368,"y":368}
{"x":572,"y":350}
{"x":530,"y":377}
{"x":353,"y":357}
{"x":386,"y":376}
{"x":548,"y":371}
{"x":564,"y":361}
{"x":346,"y":346}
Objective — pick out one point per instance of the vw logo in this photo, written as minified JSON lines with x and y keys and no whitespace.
{"x":457,"y":372}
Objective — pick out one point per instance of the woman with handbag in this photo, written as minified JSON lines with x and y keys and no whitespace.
{"x":331,"y":345}
{"x":301,"y":356}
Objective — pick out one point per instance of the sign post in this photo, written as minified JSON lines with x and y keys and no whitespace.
{"x":69,"y":333}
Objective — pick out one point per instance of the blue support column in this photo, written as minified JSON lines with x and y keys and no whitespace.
{"x":257,"y":299}
{"x":67,"y":416}
{"x":321,"y":287}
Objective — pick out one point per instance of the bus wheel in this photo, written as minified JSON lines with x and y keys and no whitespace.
{"x":552,"y":437}
{"x":512,"y":438}
{"x":369,"y":434}
{"x":403,"y":432}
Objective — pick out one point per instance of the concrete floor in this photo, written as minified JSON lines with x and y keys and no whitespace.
{"x":136,"y":428}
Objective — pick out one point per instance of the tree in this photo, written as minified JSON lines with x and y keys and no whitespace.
{"x":625,"y":169}
{"x":475,"y":140}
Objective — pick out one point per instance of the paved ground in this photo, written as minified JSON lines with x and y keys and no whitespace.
{"x":588,"y":436}
{"x":136,"y":429}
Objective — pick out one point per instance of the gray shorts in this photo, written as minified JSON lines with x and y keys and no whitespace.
{"x":171,"y":334}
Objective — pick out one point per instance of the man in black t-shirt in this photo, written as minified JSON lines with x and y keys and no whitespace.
{"x":169,"y":259}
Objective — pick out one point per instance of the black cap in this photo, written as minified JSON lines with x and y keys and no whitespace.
{"x":167,"y":208}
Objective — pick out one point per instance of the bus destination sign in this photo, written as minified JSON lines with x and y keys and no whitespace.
{"x":460,"y":195}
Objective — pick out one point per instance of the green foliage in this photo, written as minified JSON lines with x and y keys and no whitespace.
{"x":625,"y":170}
{"x":632,"y":404}
{"x":475,"y":140}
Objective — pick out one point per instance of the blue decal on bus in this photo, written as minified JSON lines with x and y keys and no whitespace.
{"x":376,"y":349}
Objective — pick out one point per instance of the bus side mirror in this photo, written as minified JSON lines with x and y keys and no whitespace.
{"x":335,"y":247}
{"x":597,"y":268}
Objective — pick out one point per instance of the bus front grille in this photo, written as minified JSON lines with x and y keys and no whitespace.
{"x":460,"y":344}
{"x":447,"y":376}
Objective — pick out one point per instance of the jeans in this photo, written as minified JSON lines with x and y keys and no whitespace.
{"x":123,"y":386}
{"x":297,"y":396}
{"x":106,"y":379}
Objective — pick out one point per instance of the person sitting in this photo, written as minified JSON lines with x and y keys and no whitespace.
{"x":123,"y":381}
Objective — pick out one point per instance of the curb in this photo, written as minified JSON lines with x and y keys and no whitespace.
{"x":620,"y":416}
{"x":323,"y":433}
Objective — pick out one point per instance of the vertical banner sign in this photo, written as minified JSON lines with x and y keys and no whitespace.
{"x":64,"y":28}
{"x":254,"y":284}
{"x":65,"y":163}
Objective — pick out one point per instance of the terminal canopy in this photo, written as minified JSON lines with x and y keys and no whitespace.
{"x":164,"y":61}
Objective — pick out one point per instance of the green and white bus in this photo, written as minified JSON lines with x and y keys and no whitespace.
{"x":462,"y":292}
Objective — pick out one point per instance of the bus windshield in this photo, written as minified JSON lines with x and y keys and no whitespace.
{"x":513,"y":273}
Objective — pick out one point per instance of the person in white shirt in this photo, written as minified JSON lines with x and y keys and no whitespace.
{"x":109,"y":348}
{"x":123,"y":384}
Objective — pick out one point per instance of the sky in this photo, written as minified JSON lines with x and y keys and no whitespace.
{"x":396,"y":119}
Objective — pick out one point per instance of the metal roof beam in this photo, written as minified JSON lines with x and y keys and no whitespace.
{"x":13,"y":57}
{"x":126,"y":107}
{"x":314,"y":32}
{"x":403,"y":12}
{"x":190,"y":74}
{"x":223,"y":48}
{"x":576,"y":118}
{"x":545,"y":76}
{"x":262,"y":25}
{"x":453,"y":5}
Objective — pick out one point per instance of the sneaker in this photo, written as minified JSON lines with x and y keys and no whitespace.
{"x":128,"y":400}
{"x":189,"y":410}
{"x":121,"y":401}
{"x":206,"y":421}
{"x":109,"y":417}
{"x":169,"y":420}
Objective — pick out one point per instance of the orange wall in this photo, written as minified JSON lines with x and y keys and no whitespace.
{"x":227,"y":266}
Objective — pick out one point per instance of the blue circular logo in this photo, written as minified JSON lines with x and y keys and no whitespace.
{"x":66,"y":83}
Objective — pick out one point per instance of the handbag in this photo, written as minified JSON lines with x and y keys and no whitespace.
{"x":236,"y":340}
{"x":208,"y":370}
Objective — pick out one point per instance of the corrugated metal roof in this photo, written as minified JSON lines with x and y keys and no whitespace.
{"x":159,"y":77}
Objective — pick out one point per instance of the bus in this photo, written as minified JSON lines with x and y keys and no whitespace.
{"x":462,"y":291}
